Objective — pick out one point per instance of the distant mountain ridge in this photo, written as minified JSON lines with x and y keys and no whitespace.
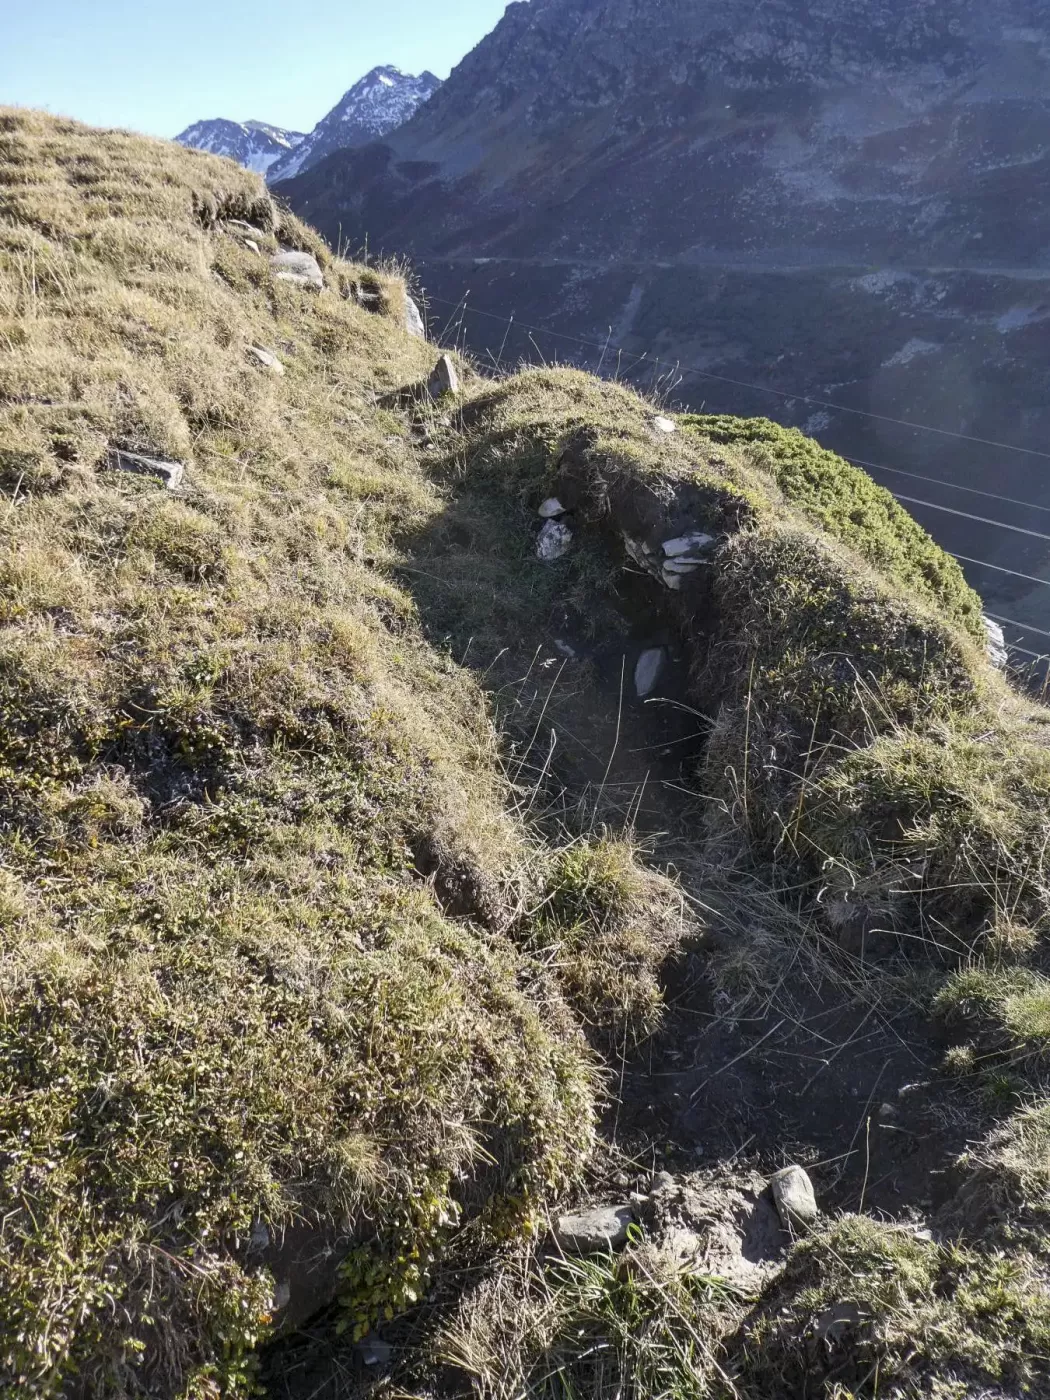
{"x":617,"y":128}
{"x":255,"y":145}
{"x":373,"y":108}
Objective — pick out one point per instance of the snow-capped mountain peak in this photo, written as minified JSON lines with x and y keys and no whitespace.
{"x":257,"y":145}
{"x":383,"y":100}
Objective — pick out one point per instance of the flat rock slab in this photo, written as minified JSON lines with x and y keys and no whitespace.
{"x":795,"y":1198}
{"x":171,"y":473}
{"x":300,"y":268}
{"x":688,"y":546}
{"x":648,"y":671}
{"x":594,"y":1231}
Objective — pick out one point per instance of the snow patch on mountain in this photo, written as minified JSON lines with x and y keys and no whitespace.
{"x":256,"y":145}
{"x":381,"y":102}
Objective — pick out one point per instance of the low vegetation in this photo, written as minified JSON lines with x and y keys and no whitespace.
{"x":303,"y":954}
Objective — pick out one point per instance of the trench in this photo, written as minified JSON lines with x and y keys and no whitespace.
{"x":769,"y":1053}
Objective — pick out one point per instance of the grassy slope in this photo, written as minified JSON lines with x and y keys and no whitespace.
{"x":227,"y":996}
{"x":229,"y":757}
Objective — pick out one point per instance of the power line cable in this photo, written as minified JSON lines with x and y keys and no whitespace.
{"x":949,"y":485}
{"x":1027,"y":651}
{"x":911,"y":500}
{"x":984,"y":564}
{"x":966,"y":515}
{"x":762,"y":388}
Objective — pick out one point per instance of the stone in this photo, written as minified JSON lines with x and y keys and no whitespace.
{"x":554,"y":541}
{"x":171,"y":473}
{"x":795,"y":1198}
{"x":594,"y":1231}
{"x":414,"y":322}
{"x":444,"y":380}
{"x":834,"y":1324}
{"x":259,"y":1239}
{"x":374,"y":1352}
{"x":675,"y":571}
{"x":647,"y":672}
{"x":302,"y":269}
{"x":551,"y":509}
{"x":998,"y":652}
{"x":664,"y":425}
{"x":663,"y":1181}
{"x":266,"y":358}
{"x":251,"y":243}
{"x":691,"y":544}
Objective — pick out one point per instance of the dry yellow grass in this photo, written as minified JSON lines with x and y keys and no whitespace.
{"x":277,"y":949}
{"x":230,"y":998}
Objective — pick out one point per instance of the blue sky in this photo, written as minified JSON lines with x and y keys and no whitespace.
{"x":157,"y":65}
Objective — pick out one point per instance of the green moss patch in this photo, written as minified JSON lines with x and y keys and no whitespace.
{"x":850,"y":506}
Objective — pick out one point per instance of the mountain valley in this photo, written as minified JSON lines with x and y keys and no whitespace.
{"x":846,"y":204}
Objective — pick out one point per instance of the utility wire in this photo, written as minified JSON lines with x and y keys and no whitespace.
{"x":1012,"y":622}
{"x":949,"y":485}
{"x":965,"y":514}
{"x":764,"y":388}
{"x":984,"y":564}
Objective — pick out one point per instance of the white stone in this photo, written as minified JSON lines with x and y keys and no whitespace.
{"x":681,"y":566}
{"x":795,"y":1198}
{"x":647,"y":672}
{"x":414,"y":323}
{"x":551,"y":509}
{"x":297,"y":280}
{"x":998,"y":653}
{"x":664,"y":425}
{"x":554,"y":541}
{"x":687,"y":544}
{"x":266,"y":358}
{"x":171,"y":473}
{"x":245,"y":227}
{"x":672,"y":581}
{"x":300,"y":268}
